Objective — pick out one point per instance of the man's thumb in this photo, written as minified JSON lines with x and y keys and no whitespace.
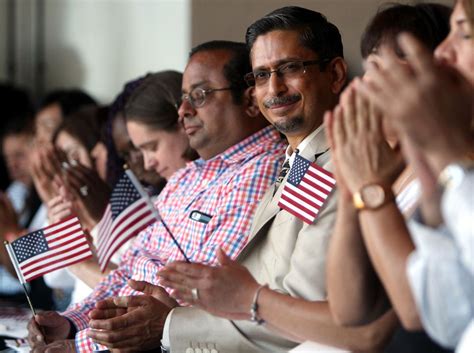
{"x":223,"y":258}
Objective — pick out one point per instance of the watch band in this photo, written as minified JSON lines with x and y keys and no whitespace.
{"x":360,"y":203}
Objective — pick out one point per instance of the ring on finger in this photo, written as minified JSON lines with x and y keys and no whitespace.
{"x":84,"y":190}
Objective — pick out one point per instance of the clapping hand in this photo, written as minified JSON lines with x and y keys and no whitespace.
{"x":8,"y":217}
{"x":46,"y":164}
{"x":225,"y":290}
{"x":89,"y":192}
{"x":430,"y":104}
{"x":131,"y":323}
{"x":361,"y":153}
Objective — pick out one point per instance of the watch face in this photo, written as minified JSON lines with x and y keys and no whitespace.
{"x":373,"y":195}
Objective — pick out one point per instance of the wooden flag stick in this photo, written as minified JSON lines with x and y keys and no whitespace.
{"x":16,"y":266}
{"x":157,"y":215}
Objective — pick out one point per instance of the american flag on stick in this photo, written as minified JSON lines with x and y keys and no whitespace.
{"x":306,"y":189}
{"x":56,"y":246}
{"x":128,"y":213}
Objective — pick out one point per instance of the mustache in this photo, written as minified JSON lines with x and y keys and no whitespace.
{"x":269,"y":103}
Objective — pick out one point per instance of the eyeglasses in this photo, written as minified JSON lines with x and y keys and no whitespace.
{"x":197,"y":96}
{"x":286,"y":70}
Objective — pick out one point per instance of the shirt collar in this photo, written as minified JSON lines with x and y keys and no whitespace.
{"x":245,"y":148}
{"x":321,"y":145}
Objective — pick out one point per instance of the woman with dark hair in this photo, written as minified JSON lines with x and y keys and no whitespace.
{"x":428,"y":272}
{"x":378,"y":281}
{"x":153,"y":125}
{"x":118,"y":146}
{"x":76,"y":138}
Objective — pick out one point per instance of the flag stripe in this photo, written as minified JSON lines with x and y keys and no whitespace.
{"x":74,"y":239}
{"x":305,"y":192}
{"x":78,"y":258}
{"x":71,"y":237}
{"x":324,"y":173}
{"x":123,"y":227}
{"x":120,"y":241}
{"x":58,"y":227}
{"x":119,"y":221}
{"x":128,"y":212}
{"x":105,"y":226}
{"x":58,"y":259}
{"x":295,"y":211}
{"x":133,"y":228}
{"x":302,"y":206}
{"x":315,"y":188}
{"x":63,"y":233}
{"x":295,"y":194}
{"x":124,"y":221}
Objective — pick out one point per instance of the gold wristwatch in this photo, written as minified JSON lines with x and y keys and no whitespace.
{"x":372,"y":196}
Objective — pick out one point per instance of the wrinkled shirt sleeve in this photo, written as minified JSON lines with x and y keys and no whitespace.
{"x":440,"y":270}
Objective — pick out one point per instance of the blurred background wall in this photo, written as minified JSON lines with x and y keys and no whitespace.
{"x":97,"y":45}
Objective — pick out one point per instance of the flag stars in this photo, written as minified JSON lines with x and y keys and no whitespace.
{"x":123,"y":195}
{"x":30,"y":245}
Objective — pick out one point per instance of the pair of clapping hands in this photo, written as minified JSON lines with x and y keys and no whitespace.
{"x":68,"y":187}
{"x":428,"y":104}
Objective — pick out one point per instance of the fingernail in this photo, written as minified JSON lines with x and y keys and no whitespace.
{"x":39,"y":338}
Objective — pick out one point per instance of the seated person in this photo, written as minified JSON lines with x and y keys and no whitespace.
{"x":55,"y":108}
{"x":206,"y":205}
{"x":429,"y":23}
{"x":119,"y":147}
{"x":425,"y":274}
{"x":20,"y":201}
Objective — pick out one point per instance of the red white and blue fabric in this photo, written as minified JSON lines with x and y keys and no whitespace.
{"x":126,"y":215}
{"x":306,"y":189}
{"x":56,"y":246}
{"x":227,"y":187}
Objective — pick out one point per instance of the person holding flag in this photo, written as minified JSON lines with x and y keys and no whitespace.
{"x":207,"y":205}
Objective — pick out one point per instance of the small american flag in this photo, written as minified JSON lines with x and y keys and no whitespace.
{"x":54,"y":247}
{"x":306,"y":189}
{"x":127,"y":214}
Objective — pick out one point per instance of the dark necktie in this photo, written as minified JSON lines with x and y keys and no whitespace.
{"x":284,"y":170}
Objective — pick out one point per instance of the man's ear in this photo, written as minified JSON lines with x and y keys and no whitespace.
{"x":250,"y":102}
{"x":338,"y":70}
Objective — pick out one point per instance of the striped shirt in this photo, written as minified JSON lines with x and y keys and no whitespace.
{"x":207,"y":205}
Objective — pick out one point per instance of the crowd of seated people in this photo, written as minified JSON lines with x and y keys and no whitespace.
{"x":291,"y":204}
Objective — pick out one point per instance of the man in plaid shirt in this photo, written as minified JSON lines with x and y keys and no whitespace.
{"x":207,"y":205}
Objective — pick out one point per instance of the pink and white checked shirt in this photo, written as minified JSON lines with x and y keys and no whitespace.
{"x":227,"y":188}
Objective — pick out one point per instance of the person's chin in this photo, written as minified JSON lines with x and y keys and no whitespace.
{"x":288,"y":124}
